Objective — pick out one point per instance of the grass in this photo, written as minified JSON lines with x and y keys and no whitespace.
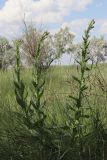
{"x":59,"y":85}
{"x":71,"y":125}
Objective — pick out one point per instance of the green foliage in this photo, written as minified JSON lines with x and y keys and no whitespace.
{"x":32,"y":128}
{"x":83,"y":66}
{"x":96,"y":49}
{"x":19,"y":85}
{"x":7,"y":55}
{"x":33,"y":108}
{"x":78,"y":108}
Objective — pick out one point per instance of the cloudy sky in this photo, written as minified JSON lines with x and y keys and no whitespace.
{"x":52,"y":14}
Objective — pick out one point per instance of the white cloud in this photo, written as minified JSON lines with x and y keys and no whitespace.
{"x":14,"y":9}
{"x":77,"y":26}
{"x":38,"y":11}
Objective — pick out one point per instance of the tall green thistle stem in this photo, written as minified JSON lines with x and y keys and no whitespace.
{"x":21,"y":96}
{"x":38,"y":85}
{"x":33,"y":109}
{"x":84,"y":68}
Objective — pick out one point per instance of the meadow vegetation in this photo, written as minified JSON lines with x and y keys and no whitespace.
{"x":57,"y":114}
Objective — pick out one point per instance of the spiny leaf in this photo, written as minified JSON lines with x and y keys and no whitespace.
{"x":76,"y":79}
{"x":76,"y":99}
{"x":84,"y":87}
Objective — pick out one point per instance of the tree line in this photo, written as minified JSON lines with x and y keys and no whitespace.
{"x":62,"y":42}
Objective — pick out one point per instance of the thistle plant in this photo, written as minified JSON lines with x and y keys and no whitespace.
{"x":38,"y":83}
{"x":21,"y":95}
{"x":34,"y":115}
{"x":78,"y":108}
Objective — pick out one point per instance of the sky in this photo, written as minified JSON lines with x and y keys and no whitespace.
{"x":51,"y":15}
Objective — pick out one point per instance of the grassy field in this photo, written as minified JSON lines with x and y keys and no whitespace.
{"x":58,"y":87}
{"x":58,"y":114}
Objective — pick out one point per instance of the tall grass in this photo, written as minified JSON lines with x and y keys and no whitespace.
{"x":59,"y":114}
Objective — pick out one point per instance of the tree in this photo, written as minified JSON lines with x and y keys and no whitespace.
{"x":6,"y":53}
{"x":52,"y":48}
{"x":63,"y":42}
{"x":96,"y":49}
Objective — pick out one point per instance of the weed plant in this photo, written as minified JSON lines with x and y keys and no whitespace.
{"x":50,"y":118}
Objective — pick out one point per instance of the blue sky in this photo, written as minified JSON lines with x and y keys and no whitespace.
{"x":98,"y":9}
{"x":2,"y":2}
{"x":52,"y":15}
